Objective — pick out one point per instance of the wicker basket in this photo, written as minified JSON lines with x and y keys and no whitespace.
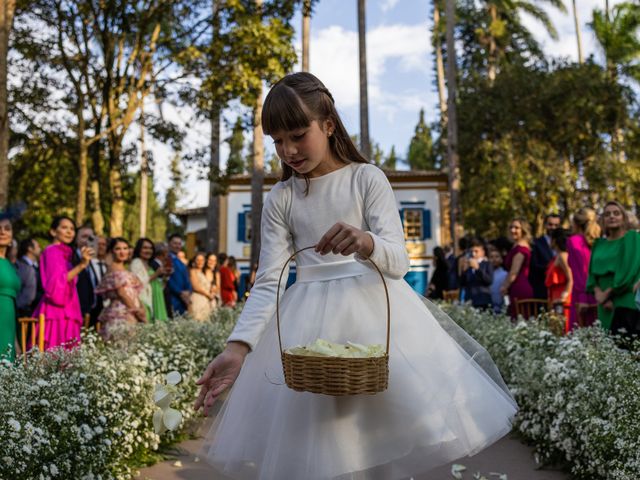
{"x":335,"y":376}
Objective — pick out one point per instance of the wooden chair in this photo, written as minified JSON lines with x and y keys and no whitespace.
{"x":531,"y":307}
{"x":586,"y":315}
{"x":451,"y":295}
{"x":37,"y":326}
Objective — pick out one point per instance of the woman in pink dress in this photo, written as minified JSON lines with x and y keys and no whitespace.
{"x":517,"y":264}
{"x":585,"y":232}
{"x":122,"y":288}
{"x":60,"y":303}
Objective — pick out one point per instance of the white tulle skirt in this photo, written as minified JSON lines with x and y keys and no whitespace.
{"x":445,"y":398}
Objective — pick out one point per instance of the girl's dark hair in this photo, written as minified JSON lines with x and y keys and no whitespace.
{"x":138,"y":248}
{"x":57,"y":220}
{"x":116,"y":240}
{"x":294,"y":102}
{"x":559,"y":236}
{"x":24,"y":246}
{"x":222,"y":257}
{"x":439,"y":255}
{"x":192,"y":262}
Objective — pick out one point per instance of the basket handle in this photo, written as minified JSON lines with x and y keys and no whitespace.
{"x":384,"y":284}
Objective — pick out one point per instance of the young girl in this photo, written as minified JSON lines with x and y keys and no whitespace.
{"x":440,"y":404}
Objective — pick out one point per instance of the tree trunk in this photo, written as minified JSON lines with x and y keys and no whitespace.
{"x":83,"y":167}
{"x":306,"y":27}
{"x":452,"y":127}
{"x":365,"y":143}
{"x":213,"y":210}
{"x":97,"y":219}
{"x":7,"y":11}
{"x":116,"y":222}
{"x":257,"y":181}
{"x":144,"y":177}
{"x":493,"y":60}
{"x":442,"y":99}
{"x":578,"y":35}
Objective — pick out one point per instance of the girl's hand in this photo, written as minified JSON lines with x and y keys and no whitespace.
{"x":602,"y":296}
{"x":344,"y":239}
{"x":220,"y":374}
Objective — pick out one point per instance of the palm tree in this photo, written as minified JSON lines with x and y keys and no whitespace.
{"x":504,"y":12}
{"x":578,"y":35}
{"x":365,"y":144}
{"x":306,"y":26}
{"x":452,"y":126}
{"x":7,"y":12}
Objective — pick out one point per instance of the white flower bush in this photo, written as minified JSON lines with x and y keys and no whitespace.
{"x":579,"y":395}
{"x":87,"y":413}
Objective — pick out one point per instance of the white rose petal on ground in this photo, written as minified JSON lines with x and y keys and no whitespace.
{"x":172,"y":418}
{"x":173,"y":378}
{"x":158,"y":424}
{"x":162,"y":397}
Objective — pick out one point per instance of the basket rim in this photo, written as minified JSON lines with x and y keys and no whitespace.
{"x":386,"y":293}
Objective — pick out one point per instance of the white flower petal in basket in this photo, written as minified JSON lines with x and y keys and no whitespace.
{"x":172,"y":418}
{"x":158,"y":424}
{"x":162,"y":397}
{"x":173,"y":378}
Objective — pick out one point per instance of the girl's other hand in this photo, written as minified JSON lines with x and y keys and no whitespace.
{"x":344,"y":239}
{"x":220,"y":374}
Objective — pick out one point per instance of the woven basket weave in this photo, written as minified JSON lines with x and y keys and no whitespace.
{"x":335,"y":376}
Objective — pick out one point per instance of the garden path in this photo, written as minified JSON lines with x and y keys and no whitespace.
{"x":507,"y":456}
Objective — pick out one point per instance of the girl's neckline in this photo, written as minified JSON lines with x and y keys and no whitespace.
{"x":332,"y":172}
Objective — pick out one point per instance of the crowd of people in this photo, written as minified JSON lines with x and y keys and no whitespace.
{"x":589,"y":271}
{"x":83,"y":278}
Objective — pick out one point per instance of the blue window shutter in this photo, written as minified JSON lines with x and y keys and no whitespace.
{"x":241,"y":227}
{"x":401,"y":212}
{"x":426,"y":224}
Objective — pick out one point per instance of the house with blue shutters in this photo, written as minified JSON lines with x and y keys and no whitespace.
{"x":422,"y":200}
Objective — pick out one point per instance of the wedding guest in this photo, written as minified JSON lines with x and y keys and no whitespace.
{"x":163,"y":258}
{"x":12,"y":253}
{"x":152,"y":294}
{"x":122,"y":288}
{"x":27,"y":266}
{"x":90,"y":303}
{"x":179,"y":285}
{"x":559,"y":281}
{"x":60,"y":303}
{"x":228,"y":292}
{"x":541,"y":255}
{"x":213,"y":275}
{"x":237,"y":275}
{"x":9,"y":288}
{"x":477,"y":275}
{"x":586,"y":231}
{"x":202,"y":296}
{"x":99,"y":263}
{"x":499,"y":276}
{"x":440,"y":277}
{"x":516,"y":285}
{"x":613,"y":271}
{"x":182,"y":256}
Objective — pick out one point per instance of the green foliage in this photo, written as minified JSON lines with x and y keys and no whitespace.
{"x":391,"y":160}
{"x":157,"y":218}
{"x":421,"y":154}
{"x":236,"y":162}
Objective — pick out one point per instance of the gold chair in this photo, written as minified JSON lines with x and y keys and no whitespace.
{"x":532,"y":307}
{"x":451,"y":295}
{"x":37,"y":331}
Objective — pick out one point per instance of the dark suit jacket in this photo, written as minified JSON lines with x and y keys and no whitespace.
{"x":541,"y":255}
{"x":89,"y":302}
{"x":31,"y":287}
{"x":478,"y":284}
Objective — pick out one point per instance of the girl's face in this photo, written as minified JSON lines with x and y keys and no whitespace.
{"x":515,"y":230}
{"x":65,"y":232}
{"x":306,"y":150}
{"x":199,"y":262}
{"x":212,"y":261}
{"x":120,"y":252}
{"x":613,"y":217}
{"x":146,"y":251}
{"x":6,"y":233}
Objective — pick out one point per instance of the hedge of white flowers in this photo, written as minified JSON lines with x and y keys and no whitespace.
{"x":579,"y":395}
{"x":87,"y":414}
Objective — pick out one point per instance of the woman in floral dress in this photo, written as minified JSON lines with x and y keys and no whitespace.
{"x":122,"y":288}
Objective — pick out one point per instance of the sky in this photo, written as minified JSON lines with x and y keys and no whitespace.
{"x":399,"y":69}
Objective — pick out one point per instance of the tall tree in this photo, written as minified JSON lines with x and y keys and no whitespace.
{"x":392,"y":159}
{"x":576,"y":23}
{"x":421,"y":155}
{"x":452,"y":127}
{"x":306,"y":27}
{"x":437,"y":34}
{"x":236,"y":162}
{"x":365,"y":142}
{"x":7,"y":13}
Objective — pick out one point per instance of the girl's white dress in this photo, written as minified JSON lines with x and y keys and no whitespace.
{"x":445,"y":398}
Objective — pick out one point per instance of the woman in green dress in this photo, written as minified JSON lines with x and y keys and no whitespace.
{"x":9,"y":288}
{"x":152,"y":296}
{"x":614,"y":269}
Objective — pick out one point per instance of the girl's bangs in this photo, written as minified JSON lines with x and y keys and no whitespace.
{"x":283,"y":111}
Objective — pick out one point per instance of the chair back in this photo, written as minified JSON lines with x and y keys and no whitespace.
{"x":451,"y":295}
{"x":37,"y":333}
{"x":531,"y":307}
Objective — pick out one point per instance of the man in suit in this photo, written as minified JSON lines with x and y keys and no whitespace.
{"x":541,"y":255}
{"x":29,"y":273}
{"x":477,"y":275}
{"x":90,"y":303}
{"x":179,"y":285}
